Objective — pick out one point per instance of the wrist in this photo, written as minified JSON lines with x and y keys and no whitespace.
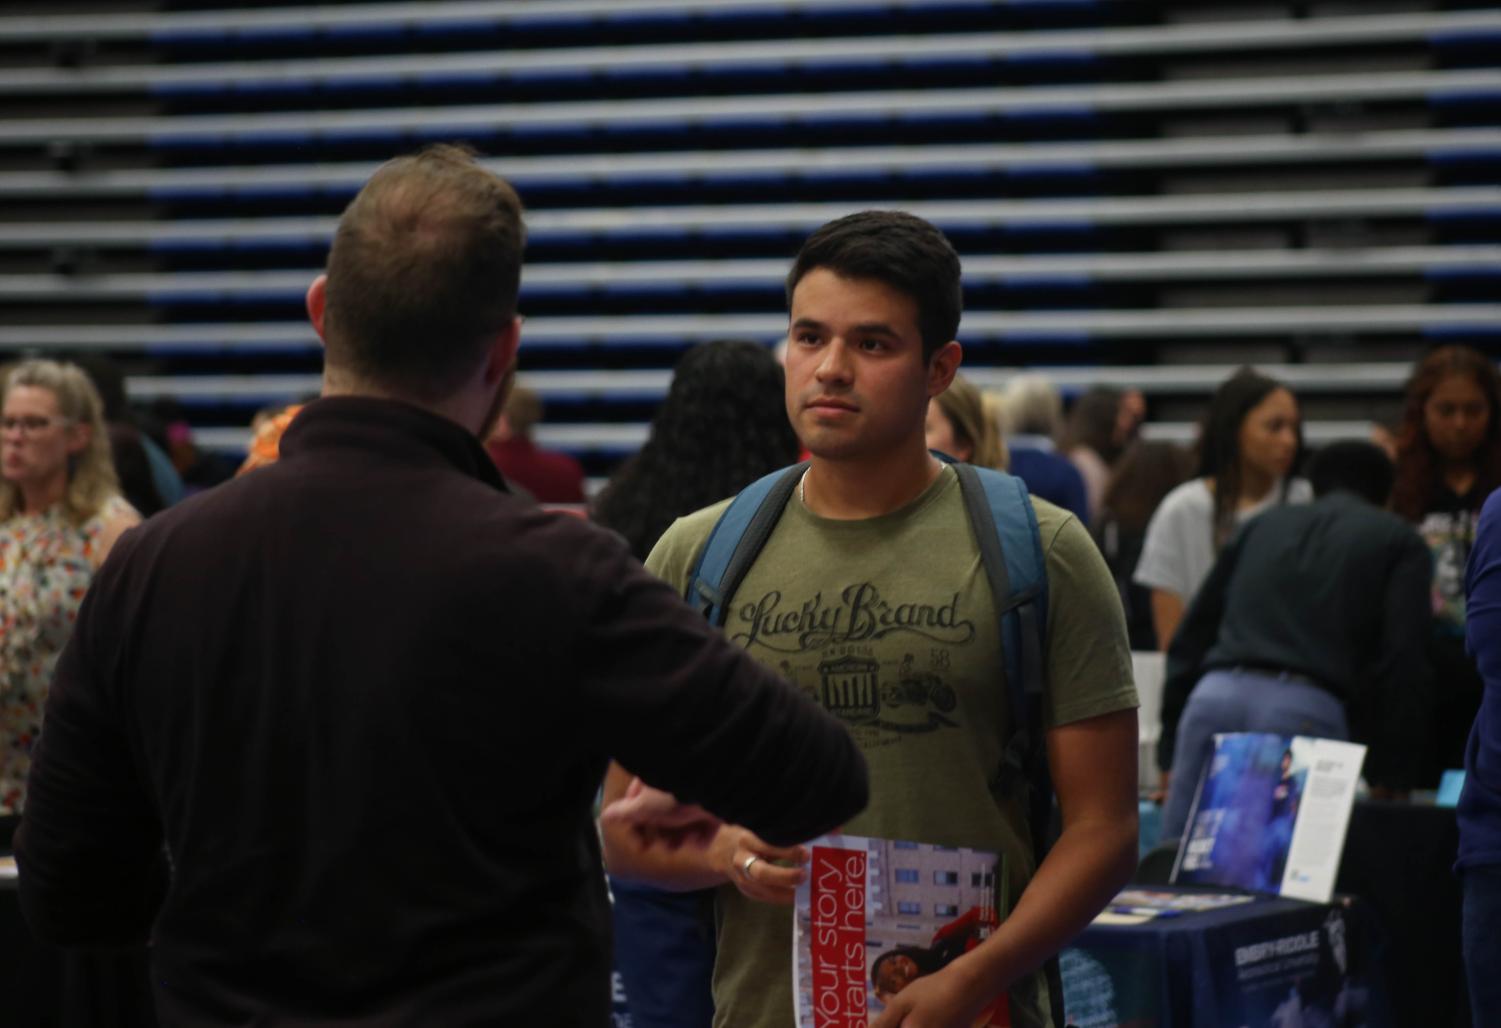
{"x":982,"y":975}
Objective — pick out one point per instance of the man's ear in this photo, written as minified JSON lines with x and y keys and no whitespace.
{"x":943,"y":366}
{"x":502,"y":355}
{"x":317,"y":299}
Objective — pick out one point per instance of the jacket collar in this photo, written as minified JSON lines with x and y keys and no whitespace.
{"x":388,"y":428}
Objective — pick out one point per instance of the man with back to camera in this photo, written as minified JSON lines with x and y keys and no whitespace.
{"x":1312,"y":621}
{"x":877,"y":530}
{"x":365,"y":698}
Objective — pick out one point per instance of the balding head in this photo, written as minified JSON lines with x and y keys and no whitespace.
{"x":423,"y":273}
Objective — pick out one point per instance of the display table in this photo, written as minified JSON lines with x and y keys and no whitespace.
{"x":1266,"y":962}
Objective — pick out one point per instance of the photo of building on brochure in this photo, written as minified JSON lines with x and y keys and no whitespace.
{"x":876,"y":914}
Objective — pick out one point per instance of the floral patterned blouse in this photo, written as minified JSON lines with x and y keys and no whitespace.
{"x":46,"y":564}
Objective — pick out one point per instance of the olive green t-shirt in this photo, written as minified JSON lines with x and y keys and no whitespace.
{"x":890,"y":624}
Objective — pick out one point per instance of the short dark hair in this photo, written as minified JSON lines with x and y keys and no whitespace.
{"x":1353,"y":465}
{"x":902,"y":250}
{"x":424,"y":269}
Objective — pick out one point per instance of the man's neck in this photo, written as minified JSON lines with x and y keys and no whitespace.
{"x":347,"y":385}
{"x":850,"y":490}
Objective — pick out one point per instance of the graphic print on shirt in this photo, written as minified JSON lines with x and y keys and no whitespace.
{"x":878,"y":663}
{"x":1449,"y":537}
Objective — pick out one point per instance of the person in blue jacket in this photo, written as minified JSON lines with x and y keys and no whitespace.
{"x":1480,"y":802}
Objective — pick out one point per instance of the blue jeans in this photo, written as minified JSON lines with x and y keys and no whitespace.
{"x":1482,"y":942}
{"x":1243,"y":700}
{"x":664,"y":951}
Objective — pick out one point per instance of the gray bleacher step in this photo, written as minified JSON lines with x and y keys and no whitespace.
{"x":258,"y":181}
{"x":623,"y":439}
{"x":1182,"y":209}
{"x":652,"y":385}
{"x":1224,"y":265}
{"x":434,"y":122}
{"x":417,"y":70}
{"x":1062,"y":328}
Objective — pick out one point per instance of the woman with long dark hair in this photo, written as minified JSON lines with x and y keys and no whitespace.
{"x":723,"y":425}
{"x":1448,"y":462}
{"x":1251,"y":441}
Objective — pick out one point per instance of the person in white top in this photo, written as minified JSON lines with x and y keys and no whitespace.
{"x":1251,"y":441}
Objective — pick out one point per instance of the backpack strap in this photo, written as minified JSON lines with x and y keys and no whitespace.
{"x":1005,"y":529}
{"x":736,"y":541}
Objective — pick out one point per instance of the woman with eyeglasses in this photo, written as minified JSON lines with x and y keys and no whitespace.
{"x":60,"y":512}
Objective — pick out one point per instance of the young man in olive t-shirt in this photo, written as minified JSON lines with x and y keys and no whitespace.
{"x":870,"y":595}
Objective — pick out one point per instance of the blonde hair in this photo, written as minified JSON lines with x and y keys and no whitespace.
{"x":91,"y":473}
{"x":963,"y":405}
{"x":1032,"y":406}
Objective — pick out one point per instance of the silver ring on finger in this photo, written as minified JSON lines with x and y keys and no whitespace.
{"x":745,"y":868}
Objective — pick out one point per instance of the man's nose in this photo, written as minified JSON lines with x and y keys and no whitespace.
{"x":834,"y":365}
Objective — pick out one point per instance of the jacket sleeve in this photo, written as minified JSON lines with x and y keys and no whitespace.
{"x":89,"y":848}
{"x":692,"y":713}
{"x":1398,"y":707}
{"x":1191,"y":645}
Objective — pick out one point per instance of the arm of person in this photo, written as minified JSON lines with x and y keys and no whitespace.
{"x":1483,"y":594}
{"x":692,"y":714}
{"x":641,"y":856}
{"x":89,"y":848}
{"x":1160,"y":568}
{"x":1093,"y":764}
{"x":1400,"y":707}
{"x":659,"y":819}
{"x":1195,"y":636}
{"x":1167,"y":612}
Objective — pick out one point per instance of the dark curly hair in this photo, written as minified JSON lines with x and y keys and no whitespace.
{"x":1417,"y":469}
{"x":723,"y":425}
{"x":1219,"y":442}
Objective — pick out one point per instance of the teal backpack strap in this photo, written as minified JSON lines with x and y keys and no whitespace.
{"x":1005,"y":529}
{"x":737,"y":539}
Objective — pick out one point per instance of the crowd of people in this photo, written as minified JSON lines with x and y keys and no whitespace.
{"x":384,"y":625}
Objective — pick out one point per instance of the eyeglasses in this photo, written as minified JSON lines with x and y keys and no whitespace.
{"x":30,"y":424}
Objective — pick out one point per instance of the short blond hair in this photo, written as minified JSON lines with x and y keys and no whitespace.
{"x":91,"y":474}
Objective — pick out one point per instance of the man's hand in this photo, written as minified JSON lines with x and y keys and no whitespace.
{"x":750,"y":863}
{"x":655,"y":817}
{"x":943,"y":999}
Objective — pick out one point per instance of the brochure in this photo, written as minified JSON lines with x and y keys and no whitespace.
{"x":1271,"y":815}
{"x":876,"y":914}
{"x":1137,"y":906}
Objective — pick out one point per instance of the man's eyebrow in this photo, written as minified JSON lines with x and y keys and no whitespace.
{"x":865,"y":327}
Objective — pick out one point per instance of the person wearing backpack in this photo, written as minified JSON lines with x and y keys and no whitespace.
{"x":869,"y":578}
